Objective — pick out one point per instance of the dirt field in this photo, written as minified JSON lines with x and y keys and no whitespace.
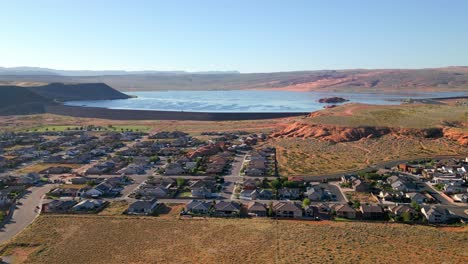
{"x":97,"y":239}
{"x":297,"y":156}
{"x":406,"y":115}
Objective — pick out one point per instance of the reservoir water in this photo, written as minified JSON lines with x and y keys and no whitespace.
{"x":247,"y":100}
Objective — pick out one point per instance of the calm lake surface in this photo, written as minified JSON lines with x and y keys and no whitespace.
{"x":246,"y":100}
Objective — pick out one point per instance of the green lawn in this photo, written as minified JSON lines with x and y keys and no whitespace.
{"x":61,"y":128}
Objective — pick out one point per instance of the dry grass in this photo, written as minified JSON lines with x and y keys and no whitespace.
{"x":42,"y":166}
{"x":409,"y":116}
{"x":363,"y":198}
{"x":95,"y":239}
{"x":115,"y":208}
{"x":311,"y":157}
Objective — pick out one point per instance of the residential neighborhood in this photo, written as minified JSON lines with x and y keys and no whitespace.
{"x":228,"y":175}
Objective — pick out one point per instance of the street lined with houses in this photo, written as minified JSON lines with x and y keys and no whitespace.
{"x":229,"y":175}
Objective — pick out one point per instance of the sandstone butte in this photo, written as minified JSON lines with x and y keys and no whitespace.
{"x":337,"y":134}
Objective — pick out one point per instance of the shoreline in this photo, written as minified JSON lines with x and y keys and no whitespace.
{"x":127,"y":114}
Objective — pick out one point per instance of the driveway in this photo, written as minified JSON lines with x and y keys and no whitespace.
{"x":25,"y":213}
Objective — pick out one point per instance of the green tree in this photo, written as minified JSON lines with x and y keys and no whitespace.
{"x":415,"y":205}
{"x":270,"y":209}
{"x":154,"y":159}
{"x":180,"y":182}
{"x":276,"y":184}
{"x":90,"y":183}
{"x":290,"y":184}
{"x":306,"y":202}
{"x":406,"y":217}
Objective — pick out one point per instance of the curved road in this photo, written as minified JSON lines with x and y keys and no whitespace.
{"x":25,"y":213}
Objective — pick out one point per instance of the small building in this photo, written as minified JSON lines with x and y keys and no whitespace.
{"x":372,"y":212}
{"x":88,"y":205}
{"x":287,"y":210}
{"x":58,"y":206}
{"x":256,"y":209}
{"x":360,"y":186}
{"x":173,"y":169}
{"x":198,"y":207}
{"x":154,"y":191}
{"x":289,"y":193}
{"x":230,"y":209}
{"x":460,"y":197}
{"x":344,"y":211}
{"x":436,"y":215}
{"x":248,"y":195}
{"x":141,"y":207}
{"x":401,"y":209}
{"x":265,"y":194}
{"x":416,"y":197}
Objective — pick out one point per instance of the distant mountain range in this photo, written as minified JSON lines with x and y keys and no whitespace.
{"x":47,"y":71}
{"x":357,"y":80}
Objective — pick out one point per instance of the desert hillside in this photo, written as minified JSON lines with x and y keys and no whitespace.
{"x":391,"y":80}
{"x":27,"y":99}
{"x":352,"y":122}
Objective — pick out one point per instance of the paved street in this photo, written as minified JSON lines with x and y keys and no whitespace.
{"x":25,"y":213}
{"x":231,"y":179}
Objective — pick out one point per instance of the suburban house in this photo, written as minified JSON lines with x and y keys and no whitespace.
{"x":416,"y":197}
{"x":311,"y":210}
{"x":255,"y":165}
{"x":198,"y":207}
{"x":101,"y":168}
{"x":436,"y":215}
{"x":58,"y":206}
{"x":372,"y":212}
{"x":248,"y":195}
{"x":314,"y":193}
{"x":265,"y":194}
{"x":5,"y":198}
{"x":103,"y":189}
{"x":391,"y":195}
{"x":132,"y":169}
{"x":401,"y":209}
{"x":344,"y":211}
{"x":202,"y":188}
{"x":89,"y":205}
{"x":287,"y":209}
{"x":289,"y":193}
{"x":200,"y":192}
{"x":399,"y":186}
{"x":29,"y":179}
{"x":452,"y":188}
{"x":223,"y":208}
{"x":460,"y":197}
{"x":360,"y":186}
{"x":349,"y":179}
{"x":154,"y":191}
{"x":249,"y":184}
{"x":79,"y":180}
{"x":256,"y":209}
{"x":173,"y":169}
{"x":64,"y":192}
{"x":143,"y":207}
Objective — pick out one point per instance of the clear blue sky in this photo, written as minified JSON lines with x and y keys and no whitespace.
{"x":249,"y":36}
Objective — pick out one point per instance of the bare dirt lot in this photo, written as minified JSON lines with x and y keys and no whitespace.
{"x":99,"y":239}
